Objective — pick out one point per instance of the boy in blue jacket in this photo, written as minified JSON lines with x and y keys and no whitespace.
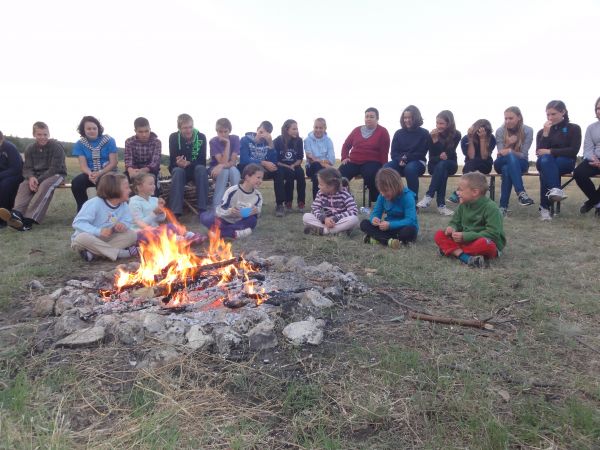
{"x":258,"y":148}
{"x":394,"y":217}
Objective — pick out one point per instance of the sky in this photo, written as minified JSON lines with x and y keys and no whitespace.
{"x":276,"y":60}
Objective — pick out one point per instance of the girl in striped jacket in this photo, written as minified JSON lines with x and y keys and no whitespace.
{"x":334,"y":209}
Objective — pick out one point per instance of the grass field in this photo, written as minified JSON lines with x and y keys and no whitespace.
{"x":378,"y":381}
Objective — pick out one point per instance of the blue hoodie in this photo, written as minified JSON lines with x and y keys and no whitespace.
{"x":252,"y":152}
{"x":400,"y":212}
{"x":319,"y":149}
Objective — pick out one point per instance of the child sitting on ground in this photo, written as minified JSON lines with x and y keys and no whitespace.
{"x":475,"y":232}
{"x":237,"y":215}
{"x":148,"y":212}
{"x":334,"y":209}
{"x":397,"y":203}
{"x":103,"y":225}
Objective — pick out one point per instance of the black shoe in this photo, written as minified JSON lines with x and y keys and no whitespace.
{"x":586,"y":207}
{"x":524,"y":199}
{"x":597,"y":213}
{"x":2,"y":224}
{"x":279,"y":211}
{"x":12,"y":218}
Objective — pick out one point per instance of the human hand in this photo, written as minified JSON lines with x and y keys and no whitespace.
{"x":181,"y":161}
{"x":269,"y":166}
{"x":470,"y":132}
{"x":384,"y":225}
{"x":542,"y":151}
{"x":106,"y":232}
{"x":161,"y":202}
{"x":224,"y":140}
{"x":119,"y":227}
{"x":217,"y":170}
{"x":443,"y":156}
{"x":449,"y":231}
{"x":482,"y":133}
{"x":504,"y":151}
{"x":329,"y":223}
{"x":376,"y":221}
{"x":93,"y":177}
{"x":235,"y":212}
{"x":435,"y":135}
{"x":33,"y":184}
{"x":547,"y":127}
{"x":345,"y":161}
{"x":457,"y":236}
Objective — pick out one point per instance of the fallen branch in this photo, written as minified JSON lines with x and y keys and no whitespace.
{"x":451,"y":320}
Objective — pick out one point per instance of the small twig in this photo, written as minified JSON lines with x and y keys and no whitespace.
{"x":22,"y":324}
{"x":578,"y":339}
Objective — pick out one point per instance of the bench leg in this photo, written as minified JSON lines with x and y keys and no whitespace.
{"x":493,"y":188}
{"x":364,"y":192}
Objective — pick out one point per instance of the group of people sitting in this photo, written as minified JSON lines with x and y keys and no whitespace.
{"x":106,"y":226}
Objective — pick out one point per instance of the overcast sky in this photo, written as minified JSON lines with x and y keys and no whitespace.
{"x":274,"y":60}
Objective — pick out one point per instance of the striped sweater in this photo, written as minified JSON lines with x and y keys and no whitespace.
{"x":338,"y":205}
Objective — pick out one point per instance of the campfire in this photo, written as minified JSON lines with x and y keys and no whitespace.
{"x":170,"y":270}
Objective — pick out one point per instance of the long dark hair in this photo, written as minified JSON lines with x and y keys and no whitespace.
{"x":481,"y":123}
{"x":333,"y":178}
{"x":447,"y":136}
{"x":81,"y":126}
{"x":416,"y":116}
{"x":560,"y":106}
{"x":284,"y":132}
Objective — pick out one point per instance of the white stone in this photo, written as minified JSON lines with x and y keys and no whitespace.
{"x":83,"y":338}
{"x":74,"y":283}
{"x":69,"y":323}
{"x":314,"y":298}
{"x":35,"y":284}
{"x":226,"y":339}
{"x":295,"y":263}
{"x":305,"y":332}
{"x":154,"y":323}
{"x":262,"y":336}
{"x":57,"y":293}
{"x":61,"y":305}
{"x":197,"y":339}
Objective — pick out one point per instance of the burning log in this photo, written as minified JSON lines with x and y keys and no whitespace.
{"x":451,"y":321}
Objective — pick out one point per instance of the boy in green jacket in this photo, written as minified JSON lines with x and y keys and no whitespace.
{"x":475,"y":233}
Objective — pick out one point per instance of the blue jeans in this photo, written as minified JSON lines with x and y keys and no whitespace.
{"x":210,"y":219}
{"x":229,"y":175}
{"x":551,"y":168}
{"x":411,"y":171}
{"x":512,"y":169}
{"x":440,"y":171}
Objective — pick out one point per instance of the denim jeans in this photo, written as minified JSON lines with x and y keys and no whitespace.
{"x":551,"y":168}
{"x":512,"y":169}
{"x":411,"y":171}
{"x":440,"y":171}
{"x":229,"y":175}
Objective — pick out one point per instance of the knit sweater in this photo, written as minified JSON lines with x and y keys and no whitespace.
{"x":237,"y":197}
{"x":564,"y":139}
{"x":44,"y":162}
{"x":337,"y":205}
{"x":591,"y":143}
{"x":480,"y":218}
{"x":399,"y":212}
{"x":361,"y":150}
{"x":411,"y":144}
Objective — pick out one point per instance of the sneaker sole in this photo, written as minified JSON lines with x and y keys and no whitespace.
{"x":10,"y":220}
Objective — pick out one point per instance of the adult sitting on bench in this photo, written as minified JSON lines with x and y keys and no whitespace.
{"x":187,"y":153}
{"x":365,"y":151}
{"x":590,"y":166}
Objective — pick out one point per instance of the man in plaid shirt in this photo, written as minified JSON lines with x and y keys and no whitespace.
{"x":142,"y":151}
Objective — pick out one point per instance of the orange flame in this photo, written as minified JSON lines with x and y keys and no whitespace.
{"x":166,"y":261}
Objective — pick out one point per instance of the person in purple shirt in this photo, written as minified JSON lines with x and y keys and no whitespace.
{"x":224,"y":154}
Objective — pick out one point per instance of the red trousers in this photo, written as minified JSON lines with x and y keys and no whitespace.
{"x":481,"y":246}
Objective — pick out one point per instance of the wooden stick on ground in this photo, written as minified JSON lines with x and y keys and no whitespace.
{"x":451,"y":320}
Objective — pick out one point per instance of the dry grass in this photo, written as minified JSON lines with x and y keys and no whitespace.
{"x":378,"y":381}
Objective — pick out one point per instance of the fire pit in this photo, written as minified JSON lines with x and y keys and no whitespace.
{"x":207,"y":299}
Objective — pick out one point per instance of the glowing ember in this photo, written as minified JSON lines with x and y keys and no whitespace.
{"x":168,"y":265}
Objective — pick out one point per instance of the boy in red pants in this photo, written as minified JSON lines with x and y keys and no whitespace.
{"x":475,"y":233}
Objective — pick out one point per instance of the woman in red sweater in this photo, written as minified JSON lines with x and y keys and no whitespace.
{"x":365,"y":151}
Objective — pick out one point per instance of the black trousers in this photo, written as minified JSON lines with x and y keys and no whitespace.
{"x":312,"y":172}
{"x":405,"y":234}
{"x":367,"y":170}
{"x":583,"y":173}
{"x":482,"y":165}
{"x":289,"y":176}
{"x":79,"y":187}
{"x":277,"y":178}
{"x":8,"y":191}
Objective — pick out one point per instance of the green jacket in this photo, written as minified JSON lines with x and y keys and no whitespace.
{"x":480,"y":218}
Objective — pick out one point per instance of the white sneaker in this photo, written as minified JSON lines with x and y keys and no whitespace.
{"x":556,"y":195}
{"x":444,"y":211}
{"x":545,"y":214}
{"x":243,"y":233}
{"x":425,"y":202}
